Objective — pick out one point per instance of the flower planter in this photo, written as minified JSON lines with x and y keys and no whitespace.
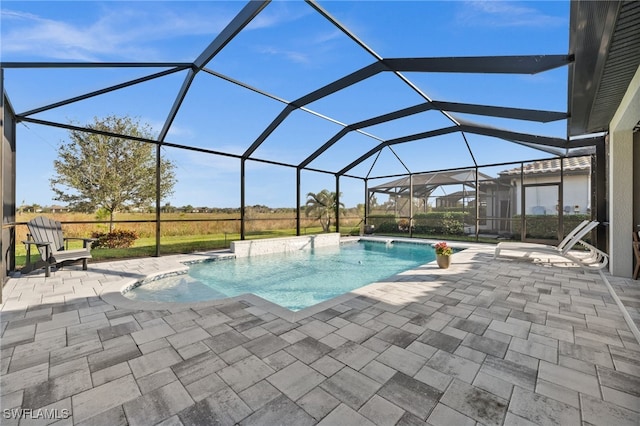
{"x":443,"y":261}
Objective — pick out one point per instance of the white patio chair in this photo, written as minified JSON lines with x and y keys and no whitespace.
{"x":595,"y":259}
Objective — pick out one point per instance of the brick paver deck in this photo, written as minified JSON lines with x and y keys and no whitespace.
{"x":487,"y":342}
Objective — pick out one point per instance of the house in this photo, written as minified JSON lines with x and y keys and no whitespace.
{"x":549,"y":187}
{"x":541,"y":183}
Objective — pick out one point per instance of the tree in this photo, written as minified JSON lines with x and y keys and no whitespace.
{"x":323,"y":207}
{"x":168,"y":208}
{"x":110,"y":172}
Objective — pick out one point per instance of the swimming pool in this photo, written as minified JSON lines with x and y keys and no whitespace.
{"x":294,"y":280}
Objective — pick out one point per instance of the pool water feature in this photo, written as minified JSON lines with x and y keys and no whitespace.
{"x":294,"y":280}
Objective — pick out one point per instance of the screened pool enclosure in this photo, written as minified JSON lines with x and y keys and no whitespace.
{"x":418,"y":127}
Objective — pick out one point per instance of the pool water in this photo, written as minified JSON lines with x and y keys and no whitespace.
{"x":293,"y":280}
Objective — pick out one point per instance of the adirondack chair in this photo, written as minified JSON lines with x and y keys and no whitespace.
{"x":46,"y":235}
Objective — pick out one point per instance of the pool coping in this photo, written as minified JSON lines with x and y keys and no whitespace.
{"x":113,"y":293}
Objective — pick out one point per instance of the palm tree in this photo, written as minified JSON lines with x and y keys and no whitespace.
{"x":323,"y":207}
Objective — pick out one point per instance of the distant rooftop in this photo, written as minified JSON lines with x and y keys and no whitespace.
{"x":552,"y":166}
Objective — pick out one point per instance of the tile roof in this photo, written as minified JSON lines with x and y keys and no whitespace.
{"x":551,"y":166}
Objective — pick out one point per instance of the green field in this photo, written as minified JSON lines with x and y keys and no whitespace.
{"x":193,"y":232}
{"x":180,"y":232}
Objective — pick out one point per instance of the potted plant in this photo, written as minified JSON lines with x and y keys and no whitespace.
{"x":443,"y":255}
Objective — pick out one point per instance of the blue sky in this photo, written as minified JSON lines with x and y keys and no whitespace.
{"x":288,"y":51}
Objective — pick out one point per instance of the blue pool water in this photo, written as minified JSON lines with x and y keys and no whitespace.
{"x":293,"y":280}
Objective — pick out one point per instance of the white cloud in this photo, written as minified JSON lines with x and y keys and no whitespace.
{"x":131,"y":31}
{"x":123,"y":33}
{"x":278,"y":12}
{"x":209,"y":163}
{"x":307,"y":50}
{"x":291,"y":55}
{"x":175,"y":131}
{"x":180,"y":132}
{"x":504,"y":14}
{"x":327,"y":36}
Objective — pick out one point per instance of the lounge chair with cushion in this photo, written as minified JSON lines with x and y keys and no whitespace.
{"x":594,"y":259}
{"x":46,"y":235}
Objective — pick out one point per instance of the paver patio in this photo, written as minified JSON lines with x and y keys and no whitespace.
{"x":487,"y":342}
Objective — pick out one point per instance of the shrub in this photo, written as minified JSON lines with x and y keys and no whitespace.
{"x":440,"y":223}
{"x":118,"y":238}
{"x":547,"y":226}
{"x":434,"y":223}
{"x":383,"y":223}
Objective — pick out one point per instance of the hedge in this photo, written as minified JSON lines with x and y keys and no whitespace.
{"x":440,"y":223}
{"x":436,"y":223}
{"x":547,"y":226}
{"x":383,"y":223}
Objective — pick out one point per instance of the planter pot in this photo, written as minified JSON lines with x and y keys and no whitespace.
{"x":443,"y":261}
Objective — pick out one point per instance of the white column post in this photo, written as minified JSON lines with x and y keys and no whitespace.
{"x":621,"y":180}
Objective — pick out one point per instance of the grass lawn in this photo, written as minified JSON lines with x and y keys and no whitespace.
{"x":181,"y":233}
{"x":173,"y":244}
{"x":170,"y":245}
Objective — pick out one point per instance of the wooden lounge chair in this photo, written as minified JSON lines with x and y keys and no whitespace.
{"x":46,"y":235}
{"x":594,"y":259}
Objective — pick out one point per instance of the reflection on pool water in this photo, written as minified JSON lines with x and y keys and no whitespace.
{"x":294,"y":280}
